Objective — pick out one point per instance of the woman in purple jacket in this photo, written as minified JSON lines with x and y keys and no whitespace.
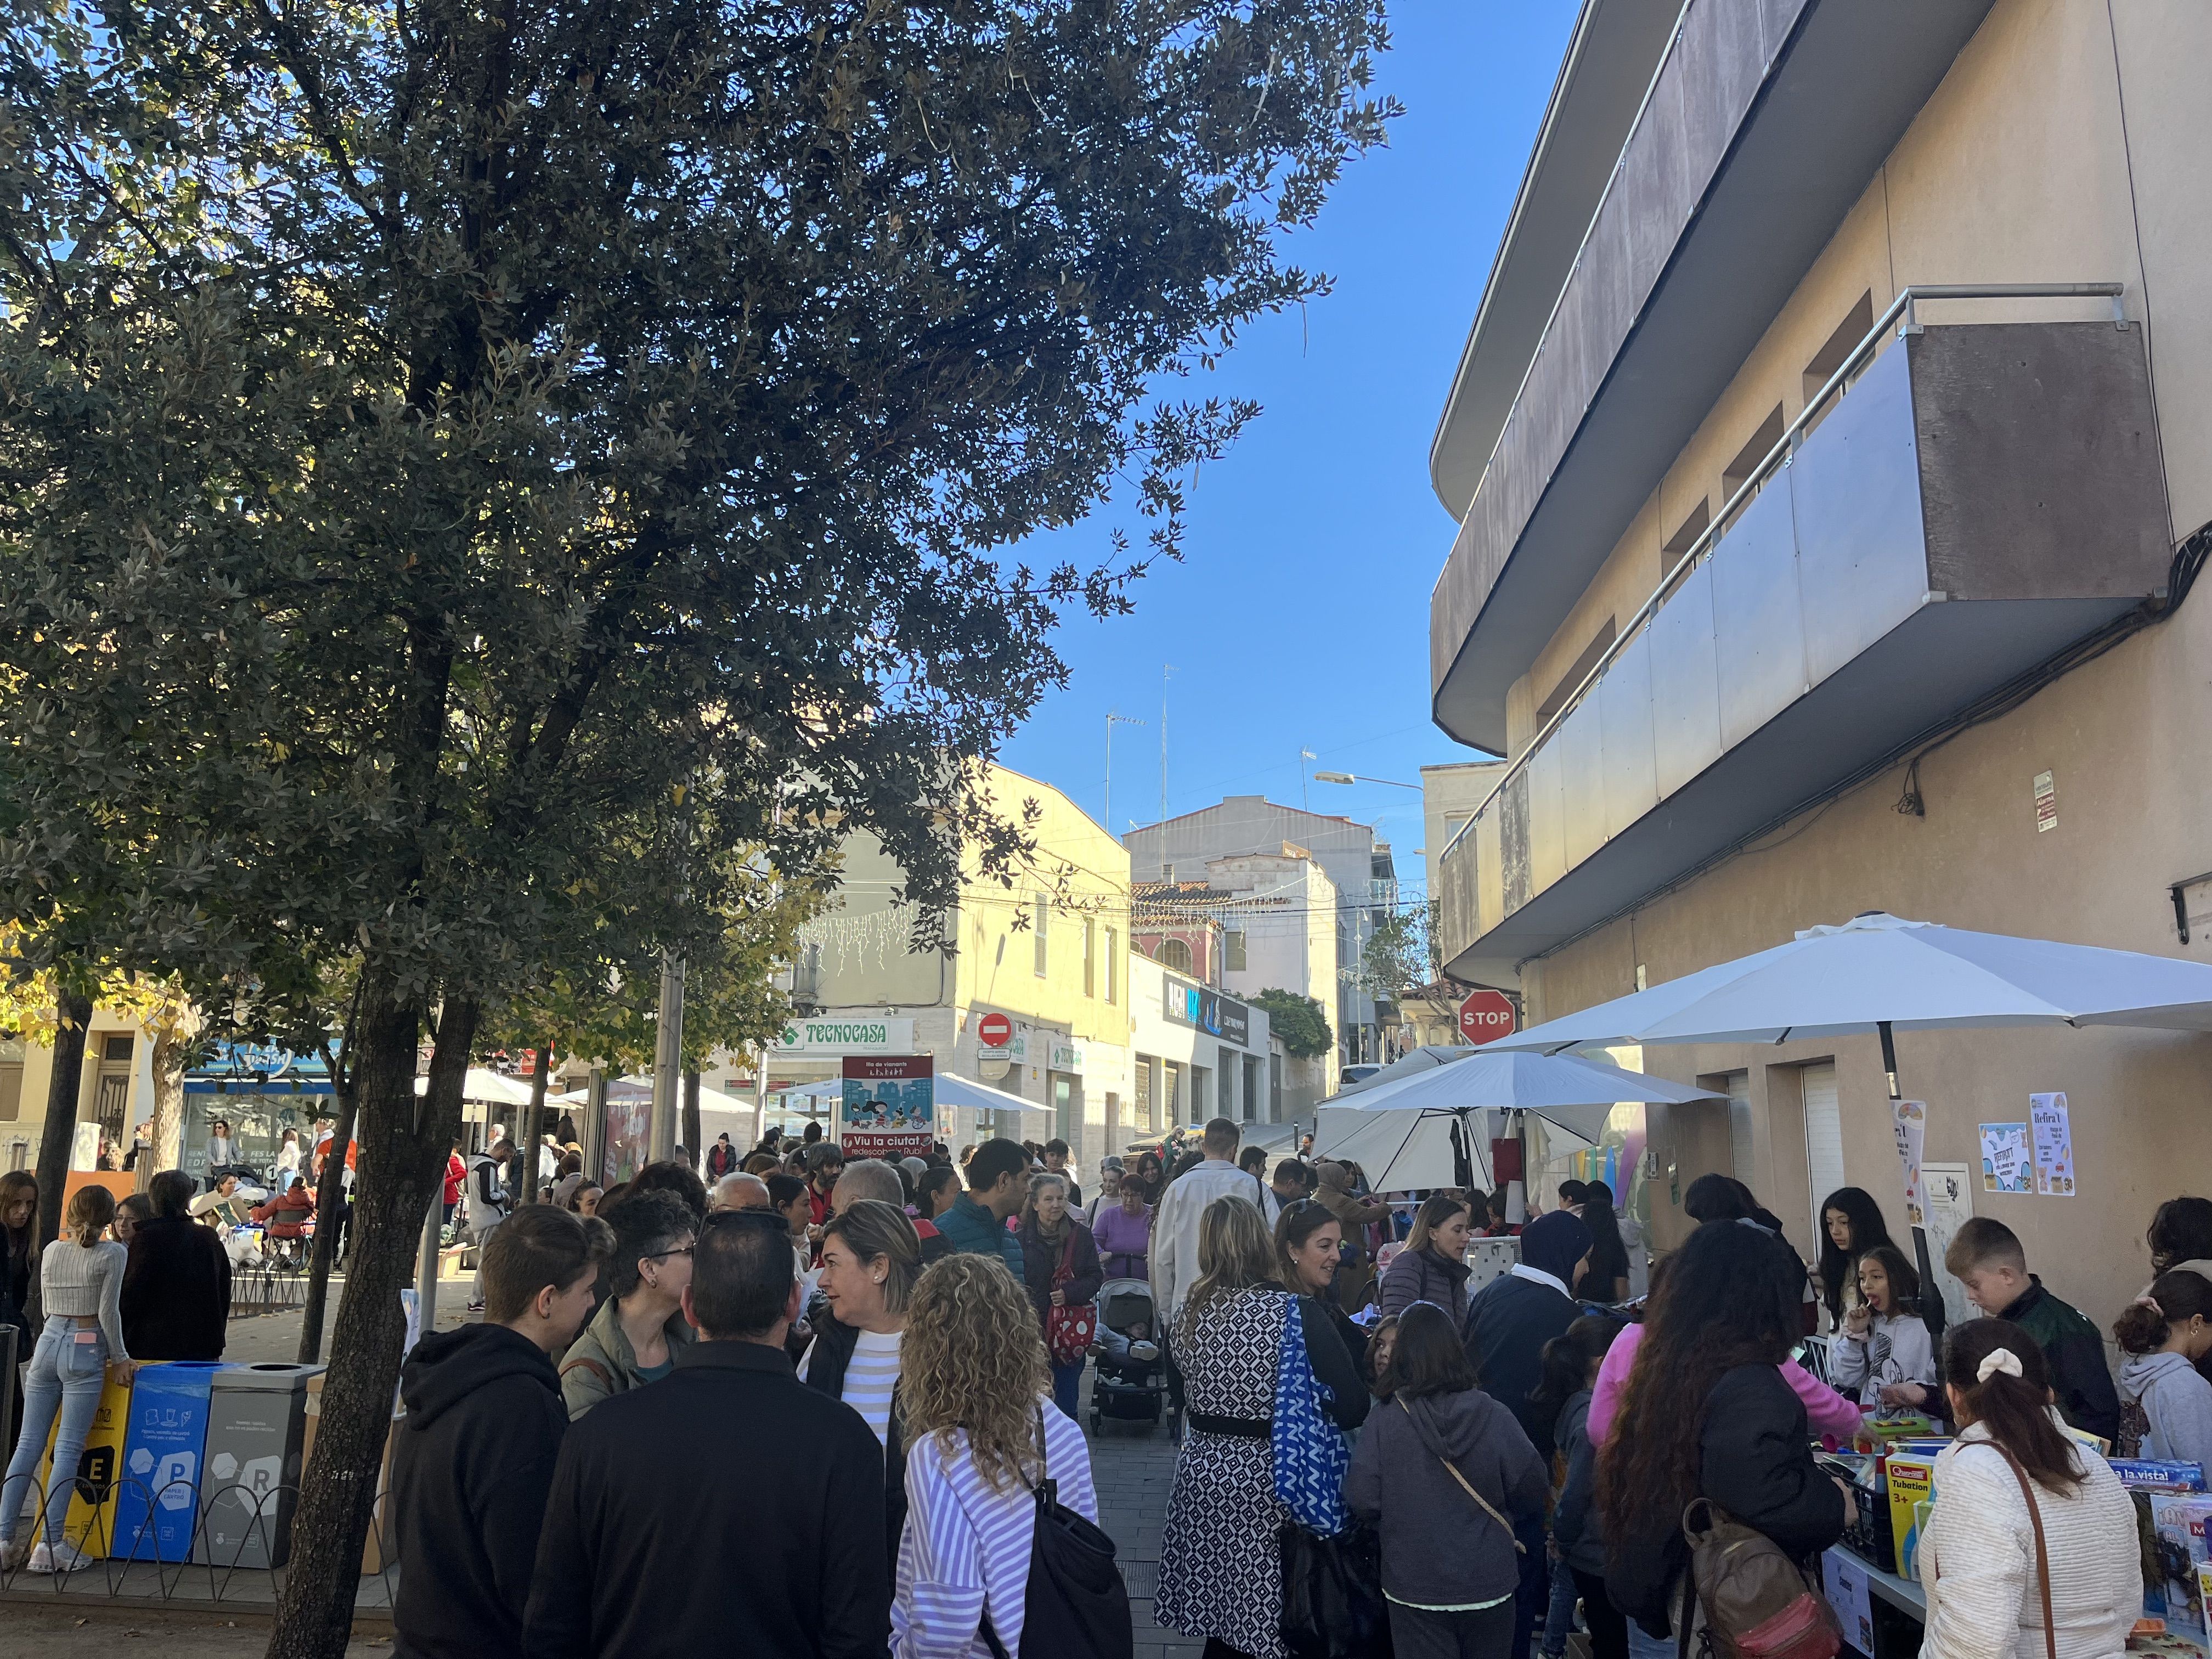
{"x":1124,"y":1234}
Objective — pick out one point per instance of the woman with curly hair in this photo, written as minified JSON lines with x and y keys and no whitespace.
{"x":982,"y":1432}
{"x":1221,"y":1576}
{"x":1707,"y":1414}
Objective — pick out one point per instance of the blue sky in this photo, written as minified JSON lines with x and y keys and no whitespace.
{"x":1299,"y":618}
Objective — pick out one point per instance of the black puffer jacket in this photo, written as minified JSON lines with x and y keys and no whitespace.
{"x":831,"y":1353}
{"x":1755,"y":1463}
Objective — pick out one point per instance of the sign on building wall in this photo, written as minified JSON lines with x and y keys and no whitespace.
{"x":846,"y":1037}
{"x":1206,"y":1010}
{"x":890,"y":1107}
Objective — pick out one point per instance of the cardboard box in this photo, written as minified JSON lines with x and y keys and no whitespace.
{"x":1911,"y":1488}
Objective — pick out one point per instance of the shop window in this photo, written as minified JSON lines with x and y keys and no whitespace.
{"x":1146,"y":1064}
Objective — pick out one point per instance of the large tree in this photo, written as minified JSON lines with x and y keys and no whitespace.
{"x":467,"y":468}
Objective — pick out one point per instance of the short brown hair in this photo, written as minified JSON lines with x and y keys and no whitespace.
{"x":1982,"y":1242}
{"x":1222,"y":1135}
{"x":538,"y":1245}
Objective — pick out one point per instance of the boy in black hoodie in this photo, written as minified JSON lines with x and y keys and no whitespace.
{"x":476,"y":1449}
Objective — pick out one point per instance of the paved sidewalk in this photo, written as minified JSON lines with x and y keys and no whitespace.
{"x":1132,"y":1465}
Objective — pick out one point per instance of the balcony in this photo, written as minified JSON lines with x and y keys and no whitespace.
{"x":1762,"y":126}
{"x":1949,"y":512}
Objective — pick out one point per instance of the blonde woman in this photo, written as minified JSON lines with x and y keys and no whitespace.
{"x":1220,"y":1575}
{"x":981,"y":1432}
{"x":81,"y":1288}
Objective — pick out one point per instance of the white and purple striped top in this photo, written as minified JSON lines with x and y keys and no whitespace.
{"x":966,"y":1548}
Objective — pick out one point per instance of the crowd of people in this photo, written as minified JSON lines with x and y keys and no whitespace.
{"x":902,"y":1346}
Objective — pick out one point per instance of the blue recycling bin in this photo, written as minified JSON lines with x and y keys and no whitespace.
{"x":164,"y":1443}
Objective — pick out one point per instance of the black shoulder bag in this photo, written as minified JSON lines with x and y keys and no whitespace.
{"x":1075,"y":1605}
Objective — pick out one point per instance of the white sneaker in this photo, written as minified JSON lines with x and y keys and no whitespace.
{"x":58,"y":1558}
{"x":12,"y":1554}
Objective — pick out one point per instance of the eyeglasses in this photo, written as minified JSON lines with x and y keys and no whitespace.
{"x":662,"y":1256}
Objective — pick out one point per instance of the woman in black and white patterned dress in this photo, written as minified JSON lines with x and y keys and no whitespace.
{"x":1220,"y":1575}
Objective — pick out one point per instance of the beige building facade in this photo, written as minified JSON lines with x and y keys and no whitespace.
{"x":1823,"y":549}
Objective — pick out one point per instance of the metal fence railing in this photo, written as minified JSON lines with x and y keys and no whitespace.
{"x":246,"y":1567}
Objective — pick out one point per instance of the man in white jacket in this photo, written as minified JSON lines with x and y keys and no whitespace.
{"x":1174,"y":1262}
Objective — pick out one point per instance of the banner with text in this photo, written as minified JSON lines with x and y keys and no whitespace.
{"x":890,"y":1108}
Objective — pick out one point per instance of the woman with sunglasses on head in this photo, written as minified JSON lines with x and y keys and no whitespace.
{"x":635,"y":1337}
{"x":1309,"y":1245}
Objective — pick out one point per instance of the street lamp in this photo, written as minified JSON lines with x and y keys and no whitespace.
{"x":1347,"y":777}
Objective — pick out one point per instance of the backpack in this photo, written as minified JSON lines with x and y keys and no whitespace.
{"x":1759,"y":1602}
{"x":1075,"y":1605}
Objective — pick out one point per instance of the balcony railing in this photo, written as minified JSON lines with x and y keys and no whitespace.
{"x":1903,"y":314}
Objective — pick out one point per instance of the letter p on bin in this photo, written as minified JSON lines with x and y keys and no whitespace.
{"x":257,"y":1431}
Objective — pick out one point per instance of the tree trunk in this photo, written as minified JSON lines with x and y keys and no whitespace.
{"x":403,"y":1144}
{"x":329,"y":1194}
{"x":691,"y":1129}
{"x":534,"y":1123}
{"x":73,"y":1014}
{"x":170,"y":1048}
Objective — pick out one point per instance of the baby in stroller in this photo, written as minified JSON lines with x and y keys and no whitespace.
{"x":1132,"y":1380}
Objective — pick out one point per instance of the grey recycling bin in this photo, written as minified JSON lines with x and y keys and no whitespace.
{"x":256,"y":1422}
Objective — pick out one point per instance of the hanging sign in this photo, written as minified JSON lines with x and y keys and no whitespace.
{"x":846,"y":1037}
{"x":890,"y":1107}
{"x":2054,"y":1146}
{"x":1910,"y":1118}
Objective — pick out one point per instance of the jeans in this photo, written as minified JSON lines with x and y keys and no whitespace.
{"x":65,"y":1379}
{"x":1067,"y":1388}
{"x":1559,"y":1618}
{"x":1533,"y":1599}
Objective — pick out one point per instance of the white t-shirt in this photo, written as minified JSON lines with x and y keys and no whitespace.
{"x":870,"y":1375}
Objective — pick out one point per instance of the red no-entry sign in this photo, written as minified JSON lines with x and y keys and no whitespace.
{"x":1486,"y":1015}
{"x":994,"y":1030}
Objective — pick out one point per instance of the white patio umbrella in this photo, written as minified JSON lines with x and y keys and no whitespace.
{"x":1578,"y":1094}
{"x":490,"y":1087}
{"x":1882,"y":973}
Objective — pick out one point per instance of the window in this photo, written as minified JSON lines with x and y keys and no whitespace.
{"x":1040,"y":912}
{"x":1089,"y":958}
{"x":1167,"y":873}
{"x":1175,"y":953}
{"x":1170,"y":1094}
{"x":1144,"y":1097}
{"x":11,"y":1091}
{"x":1858,"y":324}
{"x":1275,"y":1088}
{"x":1756,"y":450}
{"x":1577,"y":672}
{"x":1823,"y":1135}
{"x":1226,"y":1071}
{"x":1251,"y":1087}
{"x":1202,"y":1090}
{"x":1685,"y":535}
{"x":1232,"y":944}
{"x":1112,"y":964}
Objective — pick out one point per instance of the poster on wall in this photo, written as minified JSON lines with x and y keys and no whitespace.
{"x":1910,"y":1118}
{"x":2054,"y":1146}
{"x":2005,"y":1163}
{"x":1950,"y":1202}
{"x":890,"y":1107}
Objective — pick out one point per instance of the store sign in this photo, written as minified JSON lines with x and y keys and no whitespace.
{"x":1208,"y":1011}
{"x":846,"y":1037}
{"x":889,"y":1107}
{"x":1067,"y":1057}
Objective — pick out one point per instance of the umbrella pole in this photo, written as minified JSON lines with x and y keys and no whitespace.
{"x":1931,"y":1298}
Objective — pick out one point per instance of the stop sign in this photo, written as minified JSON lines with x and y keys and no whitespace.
{"x":994,"y":1030}
{"x":1485,"y":1015}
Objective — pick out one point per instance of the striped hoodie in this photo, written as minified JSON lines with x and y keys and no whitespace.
{"x":966,"y":1548}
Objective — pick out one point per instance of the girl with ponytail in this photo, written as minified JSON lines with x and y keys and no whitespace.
{"x":2030,"y":1550}
{"x":2165,"y":1405}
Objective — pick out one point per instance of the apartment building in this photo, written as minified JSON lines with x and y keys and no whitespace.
{"x":1049,"y":951}
{"x":1826,"y":454}
{"x":1359,"y":869}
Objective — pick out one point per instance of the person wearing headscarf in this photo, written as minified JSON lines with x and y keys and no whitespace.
{"x":1508,"y":1323}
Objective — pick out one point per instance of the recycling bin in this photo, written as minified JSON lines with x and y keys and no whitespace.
{"x":256,"y":1436}
{"x":163,"y":1445}
{"x":91,"y":1508}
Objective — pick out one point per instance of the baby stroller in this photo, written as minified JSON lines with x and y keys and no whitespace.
{"x":1131,"y":1382}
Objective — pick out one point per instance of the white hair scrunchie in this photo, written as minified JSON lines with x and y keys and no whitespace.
{"x":1997,"y":1360}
